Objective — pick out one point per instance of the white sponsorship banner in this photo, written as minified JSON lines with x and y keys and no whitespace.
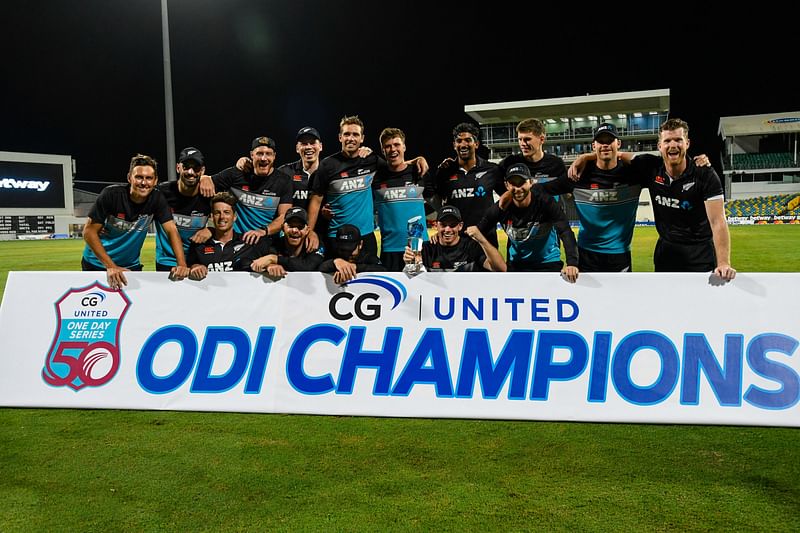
{"x":640,"y":347}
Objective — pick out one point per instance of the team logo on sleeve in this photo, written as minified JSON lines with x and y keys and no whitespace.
{"x":85,"y":349}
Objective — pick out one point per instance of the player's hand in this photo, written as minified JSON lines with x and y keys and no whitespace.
{"x":725,"y":271}
{"x":262,"y":263}
{"x":207,"y":186}
{"x":447,"y":162}
{"x":702,"y":160}
{"x":345,"y":271}
{"x":434,"y":238}
{"x":364,"y":151}
{"x":422,"y":165}
{"x":116,"y":277}
{"x":475,"y":234}
{"x":576,"y":169}
{"x":201,"y":235}
{"x":178,"y":273}
{"x":276,"y":271}
{"x":570,"y":273}
{"x":244,"y":164}
{"x":326,"y":211}
{"x":252,"y":236}
{"x":312,"y":241}
{"x":198,"y":272}
{"x":408,"y":255}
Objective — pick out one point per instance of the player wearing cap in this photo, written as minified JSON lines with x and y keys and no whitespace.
{"x":466,"y":181}
{"x":397,"y":194}
{"x":345,"y":179}
{"x":117,"y":225}
{"x":225,"y":250}
{"x":454,"y":253}
{"x":688,"y":204}
{"x":528,"y":221}
{"x":263,"y":195}
{"x":349,"y":256}
{"x":190,"y":209}
{"x":289,"y":253}
{"x":606,"y":198}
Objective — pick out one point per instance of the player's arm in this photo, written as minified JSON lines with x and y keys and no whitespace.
{"x":494,"y":261}
{"x":275,"y":226}
{"x":715,"y":210}
{"x":114,"y":274}
{"x":181,"y":271}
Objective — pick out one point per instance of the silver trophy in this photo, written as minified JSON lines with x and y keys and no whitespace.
{"x":416,"y":228}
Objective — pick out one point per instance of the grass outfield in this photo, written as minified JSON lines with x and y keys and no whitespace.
{"x":97,"y":470}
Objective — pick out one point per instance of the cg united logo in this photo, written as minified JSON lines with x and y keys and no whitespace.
{"x":85,"y":349}
{"x":366,"y":305}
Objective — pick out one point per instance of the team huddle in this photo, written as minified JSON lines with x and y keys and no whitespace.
{"x":321,"y":215}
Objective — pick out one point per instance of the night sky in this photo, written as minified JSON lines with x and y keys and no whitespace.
{"x":84,"y":77}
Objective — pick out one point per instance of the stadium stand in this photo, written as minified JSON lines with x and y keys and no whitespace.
{"x":763,"y":206}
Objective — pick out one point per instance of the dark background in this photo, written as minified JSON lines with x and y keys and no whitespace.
{"x":84,"y":78}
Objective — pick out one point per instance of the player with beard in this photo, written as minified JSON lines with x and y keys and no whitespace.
{"x":290,"y":253}
{"x":452,"y":252}
{"x":225,"y":250}
{"x":466,"y":181}
{"x":190,"y":209}
{"x":688,"y":204}
{"x":397,"y":191}
{"x":528,"y":221}
{"x":263,"y":194}
{"x":117,"y":225}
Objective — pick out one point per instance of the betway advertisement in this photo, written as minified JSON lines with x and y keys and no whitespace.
{"x":641,"y":347}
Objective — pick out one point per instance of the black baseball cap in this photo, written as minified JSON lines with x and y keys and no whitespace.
{"x":296,"y":212}
{"x":449,"y":211}
{"x":347,"y":238}
{"x":520,"y":170}
{"x":191,"y":154}
{"x":606,"y":127}
{"x":262,"y":141}
{"x":308,"y":131}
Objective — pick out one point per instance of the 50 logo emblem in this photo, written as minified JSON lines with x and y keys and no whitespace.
{"x":85,"y":348}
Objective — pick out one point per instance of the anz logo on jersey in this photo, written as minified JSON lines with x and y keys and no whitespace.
{"x":674,"y":203}
{"x":468,"y":192}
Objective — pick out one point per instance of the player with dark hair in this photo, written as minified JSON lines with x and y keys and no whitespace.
{"x":349,"y":256}
{"x":289,"y":252}
{"x":452,"y":252}
{"x":528,"y":221}
{"x":466,"y":181}
{"x":117,"y":225}
{"x":226,"y":250}
{"x":190,"y":209}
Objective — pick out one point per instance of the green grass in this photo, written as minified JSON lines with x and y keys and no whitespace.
{"x":97,"y":470}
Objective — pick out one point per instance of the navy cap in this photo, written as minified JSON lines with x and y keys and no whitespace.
{"x":191,"y":154}
{"x":606,"y":127}
{"x":520,"y":170}
{"x":296,"y":212}
{"x":347,"y":238}
{"x":449,"y":211}
{"x":308,"y":131}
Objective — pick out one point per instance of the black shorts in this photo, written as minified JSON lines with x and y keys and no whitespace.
{"x":87,"y":266}
{"x":676,"y":257}
{"x":589,"y":261}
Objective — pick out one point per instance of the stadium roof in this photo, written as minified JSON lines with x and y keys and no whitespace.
{"x":629,"y":102}
{"x":760,"y":124}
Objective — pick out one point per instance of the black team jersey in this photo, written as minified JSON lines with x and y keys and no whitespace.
{"x":470,"y":191}
{"x":258,"y":197}
{"x":233,"y":256}
{"x":465,"y":256}
{"x":304,"y":262}
{"x":679,"y":205}
{"x":299,"y":180}
{"x":190,"y":214}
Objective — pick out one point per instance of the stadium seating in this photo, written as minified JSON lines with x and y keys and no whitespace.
{"x":759,"y":161}
{"x":762,"y":206}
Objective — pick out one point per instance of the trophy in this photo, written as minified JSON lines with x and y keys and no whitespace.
{"x":416,"y":227}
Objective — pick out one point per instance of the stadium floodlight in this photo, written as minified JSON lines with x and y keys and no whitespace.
{"x":621,"y":115}
{"x":608,"y":117}
{"x":579,"y":119}
{"x":563,"y":119}
{"x":637,"y":115}
{"x":551,"y":121}
{"x":592,"y":117}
